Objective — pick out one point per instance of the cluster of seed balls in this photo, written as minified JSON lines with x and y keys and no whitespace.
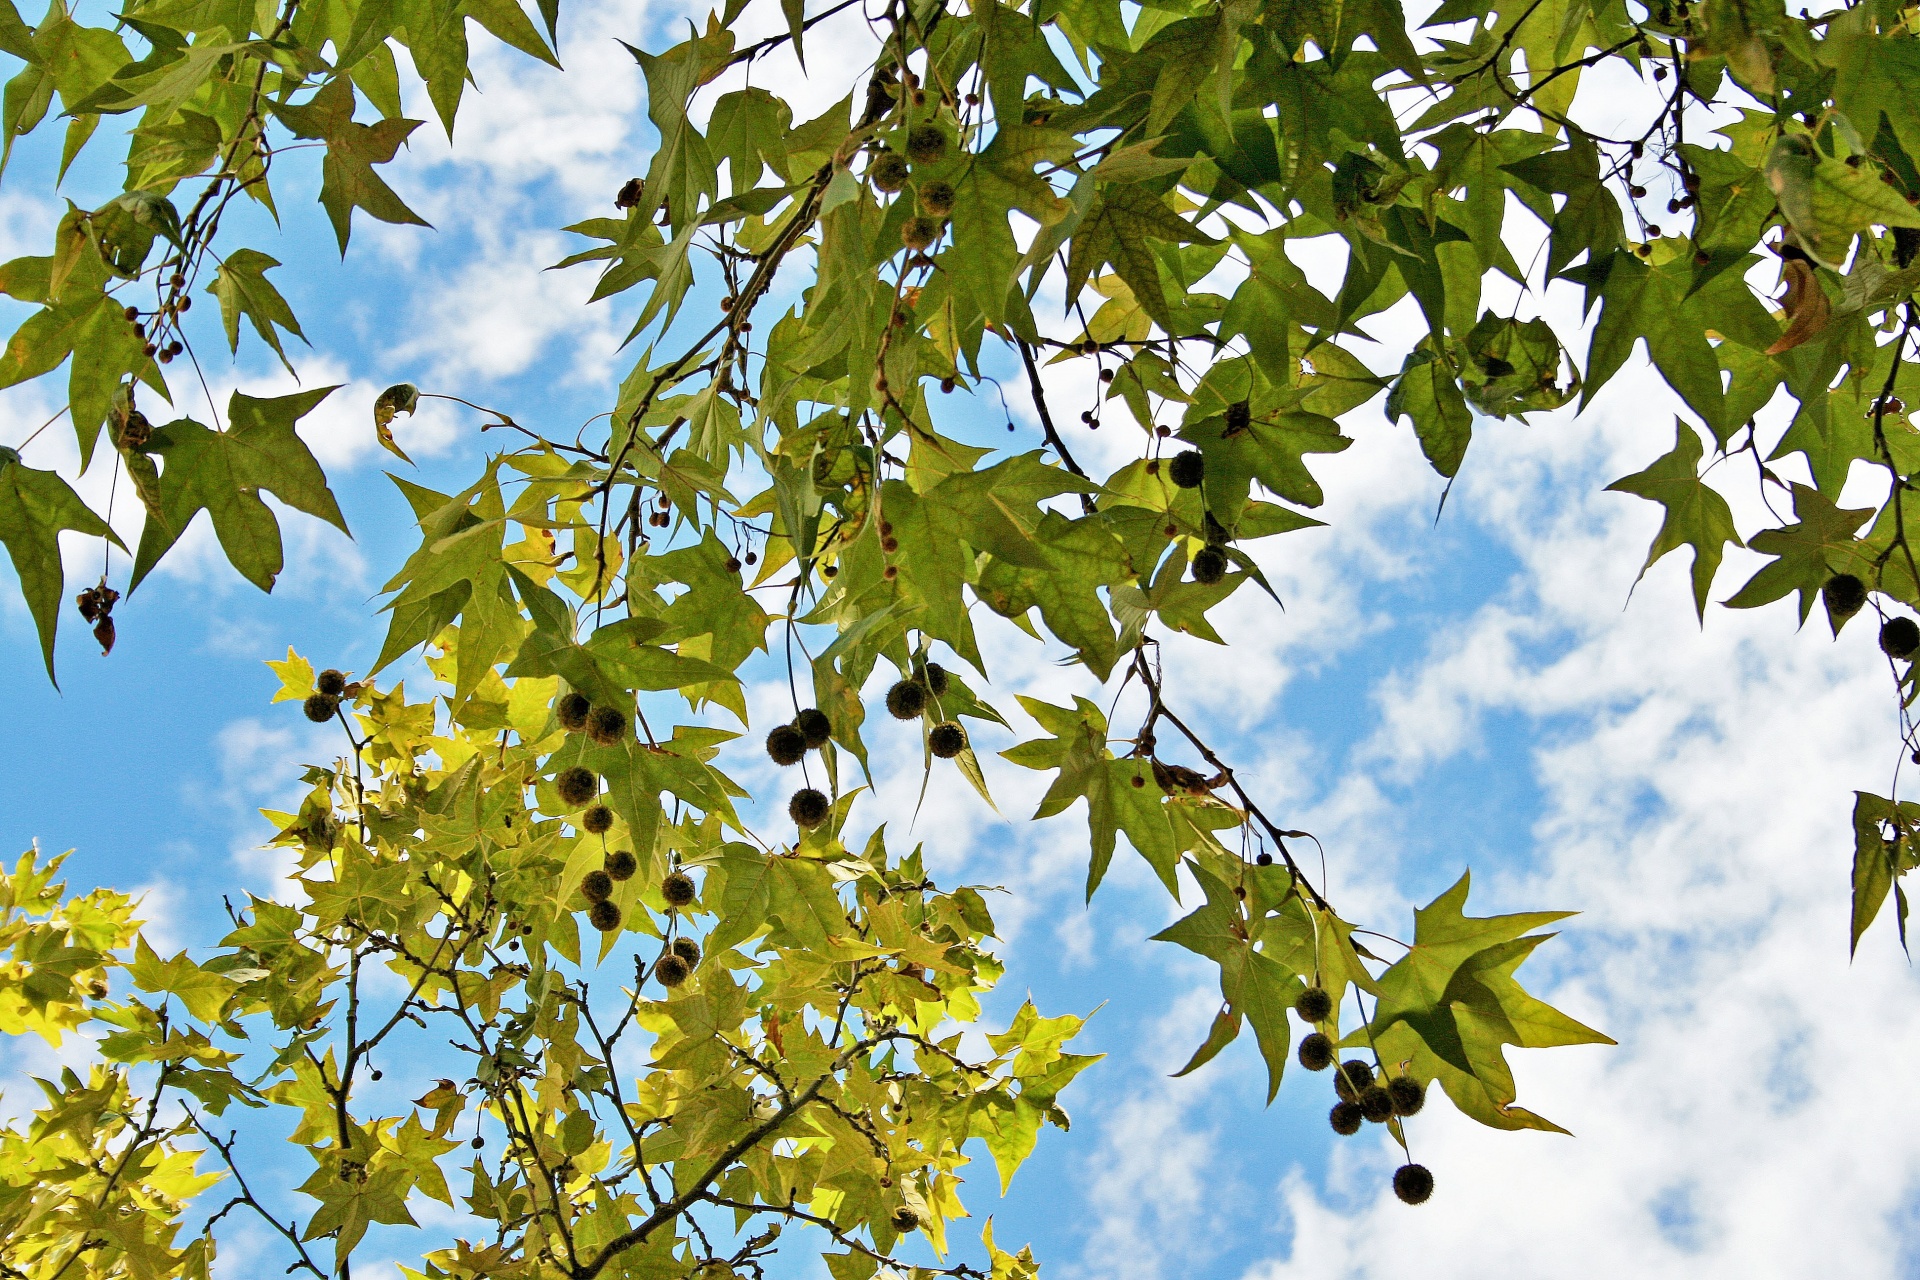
{"x":577,"y":786}
{"x":789,"y":743}
{"x":890,"y":172}
{"x":1361,"y":1096}
{"x":1187,"y":469}
{"x":321,"y":704}
{"x":1845,"y":595}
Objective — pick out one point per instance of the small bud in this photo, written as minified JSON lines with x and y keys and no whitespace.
{"x":1412,"y":1183}
{"x":947,"y":740}
{"x":577,"y":785}
{"x":678,"y":889}
{"x":906,"y":699}
{"x":786,"y":745}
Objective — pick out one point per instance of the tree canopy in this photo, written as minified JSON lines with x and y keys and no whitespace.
{"x":688,"y":1036}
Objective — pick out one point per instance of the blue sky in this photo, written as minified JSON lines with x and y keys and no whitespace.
{"x":1475,"y":694}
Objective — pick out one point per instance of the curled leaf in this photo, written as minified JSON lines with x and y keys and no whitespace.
{"x":401,"y":397}
{"x":1807,"y":306}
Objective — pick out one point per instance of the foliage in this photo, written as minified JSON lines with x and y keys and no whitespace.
{"x":1157,"y":166}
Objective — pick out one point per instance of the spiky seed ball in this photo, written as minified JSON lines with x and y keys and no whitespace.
{"x":934,"y":676}
{"x":947,"y":740}
{"x":571,"y":711}
{"x":1239,"y":415}
{"x":604,"y":916}
{"x":1316,"y":1052}
{"x":596,"y":886}
{"x":1408,"y":1094}
{"x":678,"y":889}
{"x":1899,"y":637}
{"x":814,"y":727}
{"x":906,"y":1218}
{"x":808,"y":808}
{"x":1844,"y":594}
{"x":888,"y":171}
{"x":786,"y":745}
{"x":1209,"y":566}
{"x":577,"y":785}
{"x":606,"y":725}
{"x":926,"y":144}
{"x":597,"y":820}
{"x":621,"y":864}
{"x":1375,"y":1103}
{"x":906,"y":700}
{"x":1188,"y":469}
{"x":1412,"y":1183}
{"x":671,"y":970}
{"x":1353,"y":1076}
{"x":1313,"y":1005}
{"x":936,"y":198}
{"x":1345,"y":1119}
{"x":331,"y":682}
{"x":688,"y":950}
{"x":918,"y":234}
{"x":320,"y":707}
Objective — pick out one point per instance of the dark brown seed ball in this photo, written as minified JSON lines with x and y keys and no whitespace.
{"x":1209,"y":566}
{"x":1239,"y":415}
{"x":678,"y":889}
{"x":947,"y":740}
{"x":1316,"y":1052}
{"x":1313,"y":1005}
{"x":906,"y":700}
{"x":604,"y":916}
{"x":786,"y":745}
{"x":1353,"y":1076}
{"x":1844,"y":595}
{"x":597,"y":820}
{"x":1412,"y":1183}
{"x":688,"y":950}
{"x":621,"y":864}
{"x":606,"y":725}
{"x":934,"y":676}
{"x":918,"y":234}
{"x":1899,"y":637}
{"x":926,"y":144}
{"x":814,"y":727}
{"x":888,"y":172}
{"x":1345,"y":1119}
{"x":1409,"y":1095}
{"x":906,"y":1218}
{"x":320,"y":707}
{"x":331,"y":682}
{"x":671,"y":970}
{"x":1375,"y":1103}
{"x":577,"y":785}
{"x":596,"y":886}
{"x":1188,"y":469}
{"x":808,"y":808}
{"x":936,"y":198}
{"x":571,"y":711}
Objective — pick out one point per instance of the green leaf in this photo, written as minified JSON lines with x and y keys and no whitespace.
{"x":1696,"y":516}
{"x":224,"y":472}
{"x":1807,"y":552}
{"x":1428,"y":392}
{"x":243,"y":289}
{"x":348,"y":181}
{"x":35,"y":508}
